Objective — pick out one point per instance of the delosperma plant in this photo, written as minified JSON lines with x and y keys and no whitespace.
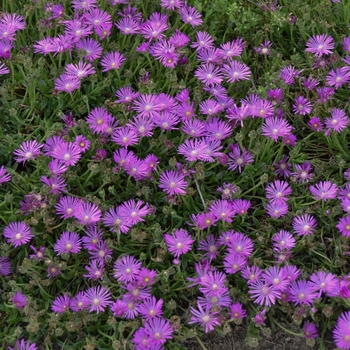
{"x":167,"y":171}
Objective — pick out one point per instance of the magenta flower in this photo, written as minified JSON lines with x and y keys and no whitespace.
{"x":275,"y":127}
{"x":4,"y":175}
{"x":67,"y":153}
{"x":324,"y":190}
{"x":338,"y":122}
{"x":304,"y":224}
{"x":240,"y":244}
{"x":241,"y":206}
{"x":341,"y":332}
{"x":263,"y":293}
{"x":315,"y":124}
{"x":235,"y":71}
{"x":159,"y":330}
{"x":172,"y":182}
{"x":213,"y":284}
{"x":126,"y":95}
{"x":288,"y":74}
{"x":19,"y":300}
{"x":275,"y":276}
{"x":276,"y":209}
{"x":324,"y":282}
{"x":209,"y":75}
{"x":310,"y":330}
{"x":283,"y":240}
{"x":133,"y":212}
{"x":28,"y":150}
{"x":302,"y":173}
{"x":237,"y":312}
{"x":204,"y":318}
{"x":151,"y":308}
{"x":179,"y":242}
{"x":210,"y":246}
{"x":5,"y":266}
{"x":69,"y":242}
{"x":190,"y":15}
{"x":88,"y":214}
{"x":302,"y":106}
{"x":91,"y":49}
{"x":56,"y":183}
{"x":171,"y":4}
{"x":126,"y":269}
{"x":320,"y":45}
{"x":99,"y":120}
{"x":68,"y":207}
{"x":61,"y":304}
{"x":302,"y":292}
{"x":238,"y":159}
{"x":80,"y":70}
{"x":222,"y":210}
{"x":283,"y":167}
{"x":112,"y":60}
{"x":119,"y":308}
{"x":98,"y":298}
{"x":116,"y":221}
{"x":79,"y":302}
{"x":67,"y":83}
{"x":310,"y":83}
{"x":278,"y":191}
{"x":53,"y":271}
{"x":338,"y":77}
{"x":204,"y":41}
{"x":234,"y":262}
{"x":3,"y":69}
{"x":18,"y":233}
{"x":344,"y":226}
{"x":147,"y":105}
{"x":39,"y":254}
{"x":24,"y":345}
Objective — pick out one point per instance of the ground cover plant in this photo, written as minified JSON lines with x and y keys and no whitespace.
{"x":172,"y":168}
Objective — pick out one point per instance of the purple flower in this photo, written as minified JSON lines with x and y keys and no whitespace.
{"x":69,"y":242}
{"x":39,"y":254}
{"x":56,"y":183}
{"x":237,"y":312}
{"x":275,"y":276}
{"x":320,"y":45}
{"x":61,"y":304}
{"x":238,"y":159}
{"x":151,"y":308}
{"x":310,"y":330}
{"x":98,"y":298}
{"x":80,"y":70}
{"x":99,"y":120}
{"x":28,"y":150}
{"x":209,"y":74}
{"x":147,"y":105}
{"x":251,"y":274}
{"x":325,"y":93}
{"x":283,"y":167}
{"x":18,"y":233}
{"x":277,"y":209}
{"x":172,"y":182}
{"x":95,"y":270}
{"x":67,"y":153}
{"x":23,"y":345}
{"x":235,"y":71}
{"x":324,"y":190}
{"x":91,"y":49}
{"x":133,"y":212}
{"x":190,"y":15}
{"x":210,"y":246}
{"x":283,"y":240}
{"x":53,"y":271}
{"x":5,"y":266}
{"x":315,"y":124}
{"x":171,"y":4}
{"x":324,"y":282}
{"x":263,"y":293}
{"x":288,"y":74}
{"x":304,"y":224}
{"x":204,"y":318}
{"x":119,"y":308}
{"x":344,"y":226}
{"x":338,"y":77}
{"x":302,"y":106}
{"x":275,"y":128}
{"x":222,"y":210}
{"x":159,"y":329}
{"x":234,"y":262}
{"x":310,"y":83}
{"x":227,"y":190}
{"x":126,"y":269}
{"x":3,"y":69}
{"x":179,"y":242}
{"x":241,"y":206}
{"x":264,"y":48}
{"x":88,"y":214}
{"x":19,"y":300}
{"x":341,"y":332}
{"x":337,"y":122}
{"x":232,"y":49}
{"x":302,"y":292}
{"x":213,"y":284}
{"x":67,"y":83}
{"x":79,"y":302}
{"x":68,"y":206}
{"x":112,"y":60}
{"x":4,"y":175}
{"x":302,"y":173}
{"x":278,"y":191}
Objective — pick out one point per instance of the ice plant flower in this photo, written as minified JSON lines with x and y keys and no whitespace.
{"x":275,"y":127}
{"x":344,"y":226}
{"x":88,"y":214}
{"x":5,"y":266}
{"x":204,"y":317}
{"x":28,"y":150}
{"x":283,"y":240}
{"x":238,"y":159}
{"x":304,"y":224}
{"x":338,"y":122}
{"x":61,"y":304}
{"x":23,"y":345}
{"x":19,"y":300}
{"x":310,"y":330}
{"x":172,"y":182}
{"x":341,"y":332}
{"x":98,"y":298}
{"x":69,"y":242}
{"x":302,"y":292}
{"x":179,"y":242}
{"x":302,"y":106}
{"x":283,"y":167}
{"x":126,"y":269}
{"x":320,"y":45}
{"x":324,"y":190}
{"x":112,"y":60}
{"x":263,"y":293}
{"x":4,"y":175}
{"x":18,"y":233}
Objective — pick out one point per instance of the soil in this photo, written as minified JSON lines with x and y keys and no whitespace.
{"x":279,"y":340}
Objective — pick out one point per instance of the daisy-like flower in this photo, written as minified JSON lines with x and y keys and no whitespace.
{"x":204,"y":41}
{"x":61,"y":304}
{"x":209,"y":74}
{"x":288,"y":74}
{"x":235,"y":71}
{"x":23,"y":345}
{"x":67,"y":207}
{"x":99,"y":120}
{"x":91,"y":48}
{"x":133,"y":212}
{"x":210,"y":107}
{"x":304,"y":224}
{"x":18,"y":233}
{"x":178,"y":242}
{"x":264,"y":47}
{"x":222,"y":209}
{"x":338,"y":77}
{"x":79,"y":302}
{"x":302,"y":173}
{"x":53,"y":271}
{"x":98,"y":298}
{"x":159,"y":330}
{"x":238,"y":159}
{"x":275,"y":276}
{"x":302,"y":292}
{"x":325,"y":93}
{"x":28,"y":150}
{"x":147,"y":105}
{"x":171,"y":4}
{"x":241,"y":206}
{"x":275,"y":127}
{"x":237,"y":312}
{"x":276,"y":209}
{"x":302,"y":106}
{"x":126,"y":95}
{"x":39,"y":254}
{"x":88,"y":214}
{"x":341,"y":332}
{"x":19,"y":300}
{"x":151,"y":308}
{"x":338,"y":122}
{"x":92,"y":239}
{"x":95,"y":270}
{"x":283,"y":167}
{"x":116,"y":221}
{"x":310,"y":330}
{"x":172,"y":182}
{"x":344,"y":226}
{"x":211,"y":246}
{"x":227,"y":190}
{"x":56,"y":183}
{"x":283,"y":240}
{"x":69,"y":242}
{"x":234,"y":263}
{"x":56,"y":167}
{"x":128,"y":26}
{"x":324,"y":282}
{"x":67,"y":153}
{"x":315,"y":124}
{"x":80,"y":70}
{"x":320,"y":45}
{"x":3,"y":69}
{"x":67,"y":83}
{"x":190,"y":15}
{"x":126,"y":269}
{"x":324,"y":190}
{"x":112,"y":60}
{"x":240,"y":244}
{"x":278,"y":191}
{"x":5,"y":266}
{"x":204,"y":317}
{"x":4,"y":175}
{"x":263,"y":293}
